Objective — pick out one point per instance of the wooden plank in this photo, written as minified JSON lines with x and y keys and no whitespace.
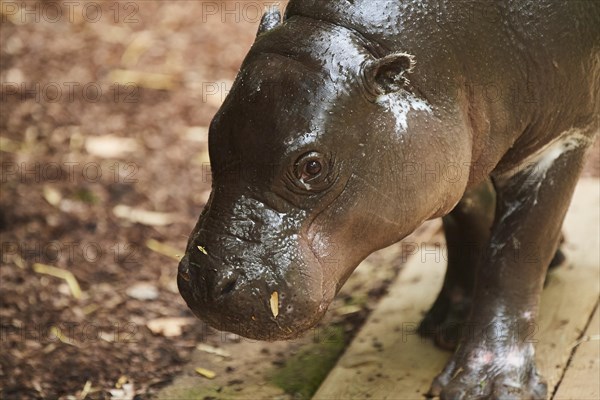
{"x":572,"y":292}
{"x":582,"y":378}
{"x":388,"y":360}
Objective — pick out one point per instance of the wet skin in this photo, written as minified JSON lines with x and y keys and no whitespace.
{"x":351,"y":123}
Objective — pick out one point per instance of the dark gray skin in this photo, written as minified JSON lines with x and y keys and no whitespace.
{"x":323,"y":150}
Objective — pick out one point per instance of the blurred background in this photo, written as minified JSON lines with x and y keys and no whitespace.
{"x":103,"y":139}
{"x":105,"y":108}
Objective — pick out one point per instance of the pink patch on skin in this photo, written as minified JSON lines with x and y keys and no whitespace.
{"x":484,"y":357}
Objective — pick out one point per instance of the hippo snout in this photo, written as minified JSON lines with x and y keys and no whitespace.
{"x":250,"y":288}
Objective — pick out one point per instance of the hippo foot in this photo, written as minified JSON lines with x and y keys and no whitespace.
{"x":445,"y":321}
{"x":490,"y":373}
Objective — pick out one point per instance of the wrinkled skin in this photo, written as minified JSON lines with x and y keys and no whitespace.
{"x":351,"y":123}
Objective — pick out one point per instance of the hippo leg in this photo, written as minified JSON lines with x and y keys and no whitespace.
{"x":467,"y":230}
{"x":495,"y":358}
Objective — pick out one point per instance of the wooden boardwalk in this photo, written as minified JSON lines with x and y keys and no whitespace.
{"x":387,"y":360}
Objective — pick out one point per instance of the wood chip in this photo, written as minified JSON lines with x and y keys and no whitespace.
{"x":52,"y":195}
{"x":68,"y":277}
{"x":349,"y":309}
{"x":108,"y":337}
{"x":274,"y":304}
{"x":142,"y":291}
{"x":207,"y":373}
{"x":213,"y":350}
{"x":197,"y":133}
{"x":123,"y":379}
{"x":86,"y":390}
{"x":110,"y":146}
{"x":169,"y":327}
{"x":18,"y":261}
{"x":125,"y":392}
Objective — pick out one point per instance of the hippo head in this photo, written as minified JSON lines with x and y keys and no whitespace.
{"x":305,"y":183}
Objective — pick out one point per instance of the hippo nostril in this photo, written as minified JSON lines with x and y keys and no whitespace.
{"x":185,"y":275}
{"x":228,"y":286}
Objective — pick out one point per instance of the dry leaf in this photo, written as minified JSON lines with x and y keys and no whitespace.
{"x":67,"y":276}
{"x":164,"y":249}
{"x":8,"y":145}
{"x":144,"y":217}
{"x":139,"y":45}
{"x":56,"y":332}
{"x":148,"y":80}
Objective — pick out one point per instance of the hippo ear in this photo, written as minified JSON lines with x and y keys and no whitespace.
{"x":388,"y":74}
{"x":270,"y":19}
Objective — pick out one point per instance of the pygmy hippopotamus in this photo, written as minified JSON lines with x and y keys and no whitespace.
{"x":352,"y":122}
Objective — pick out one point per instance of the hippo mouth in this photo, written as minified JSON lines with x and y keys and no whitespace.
{"x":256,"y":311}
{"x":253,"y":308}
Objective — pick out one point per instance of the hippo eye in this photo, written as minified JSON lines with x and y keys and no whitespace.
{"x":310,"y":168}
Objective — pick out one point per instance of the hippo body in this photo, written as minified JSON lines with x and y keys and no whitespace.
{"x":352,"y":122}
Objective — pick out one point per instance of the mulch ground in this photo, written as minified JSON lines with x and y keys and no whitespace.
{"x":60,"y":187}
{"x":149,"y":75}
